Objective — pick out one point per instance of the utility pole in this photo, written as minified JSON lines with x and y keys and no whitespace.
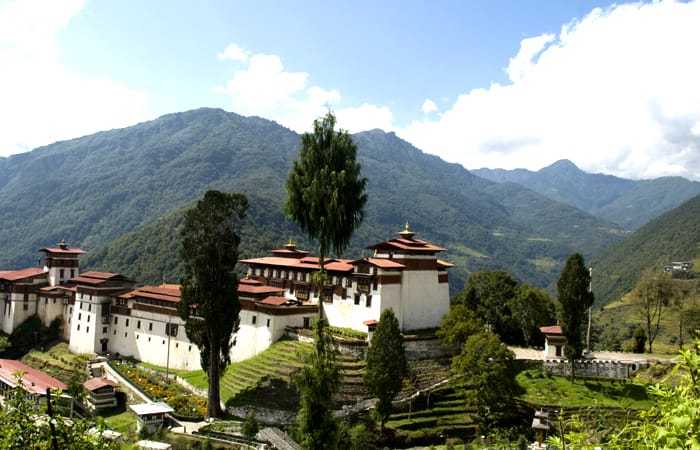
{"x":590,"y":289}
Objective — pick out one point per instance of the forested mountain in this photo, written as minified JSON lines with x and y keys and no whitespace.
{"x":95,"y":190}
{"x":628,"y":203}
{"x":673,"y":236}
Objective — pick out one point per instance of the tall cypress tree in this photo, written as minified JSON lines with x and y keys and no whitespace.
{"x":209,"y":287}
{"x":386,"y":364}
{"x":316,"y":383}
{"x":575,"y":297}
{"x":325,"y":192}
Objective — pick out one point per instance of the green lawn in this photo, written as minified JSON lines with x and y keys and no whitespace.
{"x":547,"y":390}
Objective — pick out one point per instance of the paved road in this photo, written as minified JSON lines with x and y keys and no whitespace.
{"x":531,"y":353}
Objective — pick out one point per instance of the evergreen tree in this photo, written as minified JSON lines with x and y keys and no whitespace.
{"x":325,"y":193}
{"x":208,"y":289}
{"x":575,"y":297}
{"x":317,"y":382}
{"x":386,"y":364}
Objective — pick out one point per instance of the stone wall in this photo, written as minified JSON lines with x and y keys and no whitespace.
{"x":594,"y":368}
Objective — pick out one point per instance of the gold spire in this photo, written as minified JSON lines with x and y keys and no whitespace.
{"x":290,"y":245}
{"x":407,"y":233}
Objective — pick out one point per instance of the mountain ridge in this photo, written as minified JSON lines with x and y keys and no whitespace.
{"x":628,"y":203}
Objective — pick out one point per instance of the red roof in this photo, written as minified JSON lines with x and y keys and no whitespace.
{"x":33,"y":380}
{"x":410,"y":245}
{"x":14,"y":275}
{"x":382,"y":263}
{"x":273,"y":300}
{"x":246,"y":288}
{"x":168,"y":293}
{"x":95,"y":278}
{"x":552,"y":329}
{"x":94,"y":384}
{"x":306,"y":263}
{"x":63,"y":251}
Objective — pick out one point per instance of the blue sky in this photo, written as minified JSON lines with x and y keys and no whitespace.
{"x":519,"y":83}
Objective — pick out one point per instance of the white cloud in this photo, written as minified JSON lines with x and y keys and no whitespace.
{"x":429,"y":106}
{"x":264,"y":88}
{"x":234,"y":53}
{"x":42,"y":102}
{"x":615,"y":92}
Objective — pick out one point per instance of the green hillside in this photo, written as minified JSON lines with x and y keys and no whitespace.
{"x":96,"y":190}
{"x":674,"y":236}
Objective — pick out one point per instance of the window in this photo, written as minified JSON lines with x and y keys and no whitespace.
{"x":255,"y":319}
{"x":80,"y":316}
{"x":116,"y":319}
{"x":87,"y":330}
{"x":171,"y":329}
{"x":61,"y":274}
{"x":78,"y":327}
{"x":150,"y":326}
{"x":115,"y":332}
{"x":357,"y":299}
{"x":368,"y":303}
{"x":348,"y":282}
{"x":127,"y":323}
{"x":125,"y":334}
{"x":138,"y":325}
{"x":104,"y":330}
{"x":72,"y":273}
{"x":90,"y":305}
{"x":268,"y":323}
{"x":88,"y":319}
{"x":46,"y":301}
{"x":374,"y":284}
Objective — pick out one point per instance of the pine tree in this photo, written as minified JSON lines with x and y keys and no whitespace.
{"x":325,"y":192}
{"x":575,"y":297}
{"x":209,"y":288}
{"x":386,"y":365}
{"x":316,"y":383}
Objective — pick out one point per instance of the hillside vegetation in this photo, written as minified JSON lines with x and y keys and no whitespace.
{"x":95,"y":190}
{"x":673,"y":236}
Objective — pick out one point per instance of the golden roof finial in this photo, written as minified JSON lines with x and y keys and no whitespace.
{"x":407,"y":233}
{"x":290,"y":245}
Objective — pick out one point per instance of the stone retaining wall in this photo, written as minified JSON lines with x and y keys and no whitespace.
{"x":594,"y":368}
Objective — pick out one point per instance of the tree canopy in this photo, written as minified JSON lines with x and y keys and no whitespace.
{"x":513,"y":312}
{"x":386,"y":364}
{"x":208,"y":289}
{"x":325,"y":191}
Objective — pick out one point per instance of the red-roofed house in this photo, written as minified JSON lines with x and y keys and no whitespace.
{"x":554,"y":341}
{"x":34,"y":381}
{"x":101,"y":393}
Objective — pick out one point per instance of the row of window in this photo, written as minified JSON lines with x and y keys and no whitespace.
{"x":298,"y":276}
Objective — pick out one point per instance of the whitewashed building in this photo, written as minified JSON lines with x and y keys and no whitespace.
{"x":102,"y":312}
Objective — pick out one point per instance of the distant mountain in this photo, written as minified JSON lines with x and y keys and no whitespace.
{"x":673,"y":236}
{"x":120,"y":195}
{"x":627,"y":203}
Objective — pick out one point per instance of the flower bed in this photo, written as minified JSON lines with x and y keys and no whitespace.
{"x":186,"y":405}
